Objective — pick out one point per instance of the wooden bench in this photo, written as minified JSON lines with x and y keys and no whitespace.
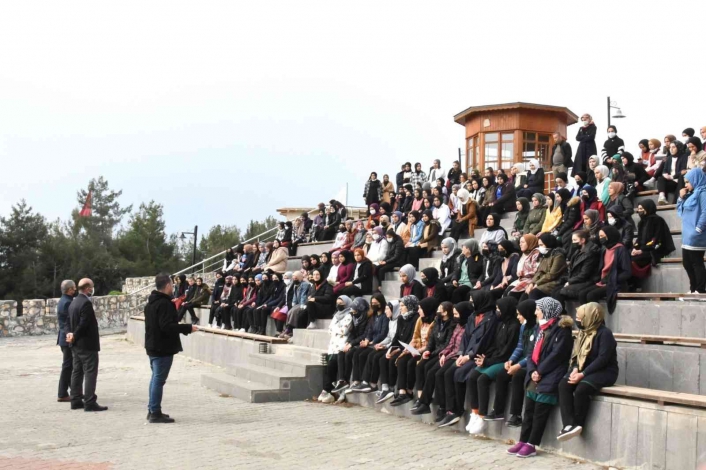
{"x":667,"y":207}
{"x":237,"y":334}
{"x":674,"y":260}
{"x":660,"y":339}
{"x":659,"y":396}
{"x":649,"y":192}
{"x":658,"y":296}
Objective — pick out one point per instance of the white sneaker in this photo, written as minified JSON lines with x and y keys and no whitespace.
{"x":242,"y":330}
{"x":650,"y":183}
{"x":478,"y":426}
{"x":327,"y":398}
{"x":471,"y":422}
{"x":312,"y":326}
{"x":321,"y":395}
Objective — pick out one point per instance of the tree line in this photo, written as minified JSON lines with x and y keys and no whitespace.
{"x":37,"y":254}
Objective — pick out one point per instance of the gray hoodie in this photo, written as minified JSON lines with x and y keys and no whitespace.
{"x":393,"y":324}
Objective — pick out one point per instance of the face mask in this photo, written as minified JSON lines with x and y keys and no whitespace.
{"x":342,"y":229}
{"x":504,"y":254}
{"x":229,"y":283}
{"x":376,"y":237}
{"x":385,"y":224}
{"x":685,"y":140}
{"x":584,"y":122}
{"x":544,"y":250}
{"x":252,"y":283}
{"x":425,"y":281}
{"x":611,"y":221}
{"x":287,"y":282}
{"x":579,"y":182}
{"x":577,"y":246}
{"x":390,"y":239}
{"x":485,"y":252}
{"x":602,"y":240}
{"x":641,"y":213}
{"x":376,"y":308}
{"x":611,"y":135}
{"x":297,"y":282}
{"x":340,"y":307}
{"x":372,"y":211}
{"x":579,"y":325}
{"x":584,"y":197}
{"x":542,"y":322}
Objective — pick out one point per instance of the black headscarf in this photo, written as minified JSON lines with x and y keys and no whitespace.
{"x":652,"y":229}
{"x":527,"y":309}
{"x":508,"y":308}
{"x":496,"y":224}
{"x":432,"y":276}
{"x":465,"y":309}
{"x":549,"y":240}
{"x":612,"y":235}
{"x":483,"y":301}
{"x":429,"y":307}
{"x":565,"y":198}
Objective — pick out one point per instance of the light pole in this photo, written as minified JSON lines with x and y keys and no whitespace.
{"x":618,"y":114}
{"x":195,"y":234}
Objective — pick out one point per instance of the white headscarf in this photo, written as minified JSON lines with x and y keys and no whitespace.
{"x":535,"y":162}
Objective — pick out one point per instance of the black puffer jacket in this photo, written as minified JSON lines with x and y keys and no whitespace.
{"x":570,"y":217}
{"x":583,"y":265}
{"x":447,"y":268}
{"x":395,"y":252}
{"x":440,"y":336}
{"x":162,"y":326}
{"x":405,"y":329}
{"x":358,"y":332}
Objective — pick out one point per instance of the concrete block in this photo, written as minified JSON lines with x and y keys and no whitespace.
{"x":693,"y":319}
{"x":686,"y":371}
{"x":596,"y":438}
{"x":623,"y":443}
{"x":681,"y":441}
{"x":652,"y":438}
{"x":701,"y":441}
{"x":670,"y":319}
{"x":661,"y":369}
{"x":622,"y":358}
{"x":638,"y":368}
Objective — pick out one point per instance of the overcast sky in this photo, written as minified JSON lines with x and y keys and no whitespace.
{"x":225,"y":111}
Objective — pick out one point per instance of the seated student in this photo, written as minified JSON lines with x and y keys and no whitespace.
{"x":491,"y":266}
{"x":374,"y":217}
{"x":552,"y":266}
{"x":446,"y":358}
{"x":570,"y":217}
{"x":555,"y":212}
{"x":299,"y":234}
{"x":469,"y":267}
{"x":316,"y":233}
{"x":582,"y":266}
{"x":406,"y":363}
{"x":393,"y":259}
{"x":635,"y":170}
{"x":653,"y":242}
{"x":535,"y":180}
{"x":241,"y":320}
{"x":375,"y":332}
{"x":441,"y":213}
{"x":514,"y":370}
{"x":535,"y":218}
{"x":371,"y":370}
{"x":340,"y":238}
{"x":489,"y":365}
{"x":476,"y":191}
{"x":466,"y":216}
{"x":296,"y":304}
{"x":477,"y":338}
{"x":320,"y":304}
{"x":339,"y":329}
{"x":228,"y":263}
{"x":400,"y":227}
{"x":670,"y":173}
{"x":590,"y":201}
{"x":379,"y":247}
{"x":615,"y":217}
{"x":616,"y":197}
{"x":591,"y":172}
{"x":360,"y":233}
{"x":518,"y":176}
{"x":614,"y":268}
{"x":277,"y":300}
{"x":264,"y":292}
{"x":331,"y":224}
{"x":261,"y":258}
{"x":409,"y":285}
{"x":592,"y":224}
{"x":215,"y":299}
{"x":594,"y":365}
{"x":360,"y":313}
{"x":350,"y":235}
{"x":409,"y":313}
{"x":602,"y":181}
{"x":432,"y":286}
{"x":523,"y":208}
{"x":362,"y":281}
{"x":278,"y":258}
{"x":507,"y":272}
{"x":231,"y":295}
{"x":449,"y":258}
{"x":306,"y":266}
{"x":545,"y":368}
{"x":526,"y":266}
{"x":346,"y":269}
{"x":333,"y":270}
{"x":200,"y":296}
{"x":430,"y":239}
{"x":562,"y":182}
{"x":325,"y":268}
{"x":494,"y":232}
{"x":489,"y":196}
{"x":505,"y":197}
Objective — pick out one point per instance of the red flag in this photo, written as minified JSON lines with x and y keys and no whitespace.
{"x":86,"y":211}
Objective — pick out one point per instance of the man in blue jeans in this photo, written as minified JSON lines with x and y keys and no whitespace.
{"x":162,"y":342}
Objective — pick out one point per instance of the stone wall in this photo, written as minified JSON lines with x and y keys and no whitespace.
{"x":133,"y":284}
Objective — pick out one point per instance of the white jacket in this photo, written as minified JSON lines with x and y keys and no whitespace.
{"x":378,"y":251}
{"x":443,"y":215}
{"x":339,"y":333}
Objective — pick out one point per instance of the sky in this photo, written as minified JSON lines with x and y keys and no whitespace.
{"x":225,"y":111}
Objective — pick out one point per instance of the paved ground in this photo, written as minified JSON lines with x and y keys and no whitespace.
{"x":211,"y":431}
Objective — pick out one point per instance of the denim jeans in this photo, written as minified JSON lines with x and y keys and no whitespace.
{"x":160,"y":371}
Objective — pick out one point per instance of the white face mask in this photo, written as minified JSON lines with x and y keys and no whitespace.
{"x":389,"y":239}
{"x":376,"y":236}
{"x":611,"y":135}
{"x":544,"y":250}
{"x":372,"y":211}
{"x":287,"y":282}
{"x":685,"y":139}
{"x":542,"y":322}
{"x":611,"y":221}
{"x":584,"y":122}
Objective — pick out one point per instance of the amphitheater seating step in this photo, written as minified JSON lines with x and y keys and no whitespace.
{"x":243,"y":389}
{"x":659,"y":396}
{"x":238,"y":334}
{"x":315,"y":248}
{"x":661,"y":339}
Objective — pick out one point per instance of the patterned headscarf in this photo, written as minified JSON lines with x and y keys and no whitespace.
{"x":412,"y":304}
{"x":551,"y":308}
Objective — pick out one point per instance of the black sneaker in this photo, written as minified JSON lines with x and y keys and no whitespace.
{"x":515,"y":421}
{"x":340,"y":385}
{"x":569,"y":432}
{"x":493,"y":417}
{"x":160,"y":418}
{"x":362,"y":388}
{"x":416,"y":403}
{"x":77,"y":405}
{"x":422,"y":409}
{"x":401,"y":400}
{"x":440,"y":415}
{"x":449,"y":420}
{"x":149,"y":415}
{"x":384,"y":396}
{"x":95,"y":407}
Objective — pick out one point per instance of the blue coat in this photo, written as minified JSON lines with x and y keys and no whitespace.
{"x":691,"y":219}
{"x":62,"y":313}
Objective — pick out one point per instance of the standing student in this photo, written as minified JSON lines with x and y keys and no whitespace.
{"x":162,"y":342}
{"x":691,"y":207}
{"x":84,"y":339}
{"x":68,"y":289}
{"x":587,"y":144}
{"x":373,"y":190}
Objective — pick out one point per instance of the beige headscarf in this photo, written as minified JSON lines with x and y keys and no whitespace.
{"x":593,"y":316}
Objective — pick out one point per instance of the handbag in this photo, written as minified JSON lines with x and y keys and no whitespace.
{"x":280,"y":314}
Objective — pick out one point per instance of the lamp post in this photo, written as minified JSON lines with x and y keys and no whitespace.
{"x":618,"y":114}
{"x":195,"y":233}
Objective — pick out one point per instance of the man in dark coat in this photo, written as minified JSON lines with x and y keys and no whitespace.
{"x":85,"y":342}
{"x":162,"y":342}
{"x":68,"y":289}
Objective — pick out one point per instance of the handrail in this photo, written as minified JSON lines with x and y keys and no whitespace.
{"x":202,"y":262}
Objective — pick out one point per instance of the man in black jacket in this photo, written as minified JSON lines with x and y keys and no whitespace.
{"x":68,"y":289}
{"x":85,"y":342}
{"x":162,"y":342}
{"x":583,"y":272}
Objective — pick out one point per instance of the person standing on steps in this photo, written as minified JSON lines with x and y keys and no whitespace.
{"x":68,"y":289}
{"x":691,"y":207}
{"x":85,"y":342}
{"x":162,"y":329}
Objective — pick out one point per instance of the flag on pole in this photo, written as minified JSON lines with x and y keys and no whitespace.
{"x":86,"y":211}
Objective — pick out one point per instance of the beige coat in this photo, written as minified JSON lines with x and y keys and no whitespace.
{"x":278,"y":260}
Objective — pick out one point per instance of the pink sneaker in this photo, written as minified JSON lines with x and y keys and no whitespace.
{"x":516,"y":448}
{"x":527,"y":450}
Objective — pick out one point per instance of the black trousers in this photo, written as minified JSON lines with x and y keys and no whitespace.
{"x":574,"y":400}
{"x":458,"y":229}
{"x":406,"y":366}
{"x":693,"y":262}
{"x":182,"y":313}
{"x":444,"y":392}
{"x":345,"y":363}
{"x":413,"y":254}
{"x":535,"y":294}
{"x":388,"y":370}
{"x":461,"y":294}
{"x":240,"y":318}
{"x":516,"y":383}
{"x":250,"y":315}
{"x":212,"y":314}
{"x":360,"y":357}
{"x":666,"y":186}
{"x":262,"y":315}
{"x":570,"y":292}
{"x":371,"y":372}
{"x":430,"y":371}
{"x":458,"y":402}
{"x":316,"y":311}
{"x":420,"y":372}
{"x":592,"y":294}
{"x":330,"y":372}
{"x":354,"y":291}
{"x":380,"y":271}
{"x":479,"y":389}
{"x":67,"y":366}
{"x":517,"y":295}
{"x":223,"y":317}
{"x":84,"y":376}
{"x":534,"y":421}
{"x":329,"y":233}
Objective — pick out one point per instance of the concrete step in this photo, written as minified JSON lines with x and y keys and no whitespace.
{"x":313,"y":249}
{"x":425,"y":263}
{"x":270,"y":377}
{"x":317,"y":339}
{"x":289,"y":364}
{"x":391,"y":289}
{"x":294,"y":264}
{"x":669,"y":277}
{"x":304,"y":353}
{"x":242,"y":389}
